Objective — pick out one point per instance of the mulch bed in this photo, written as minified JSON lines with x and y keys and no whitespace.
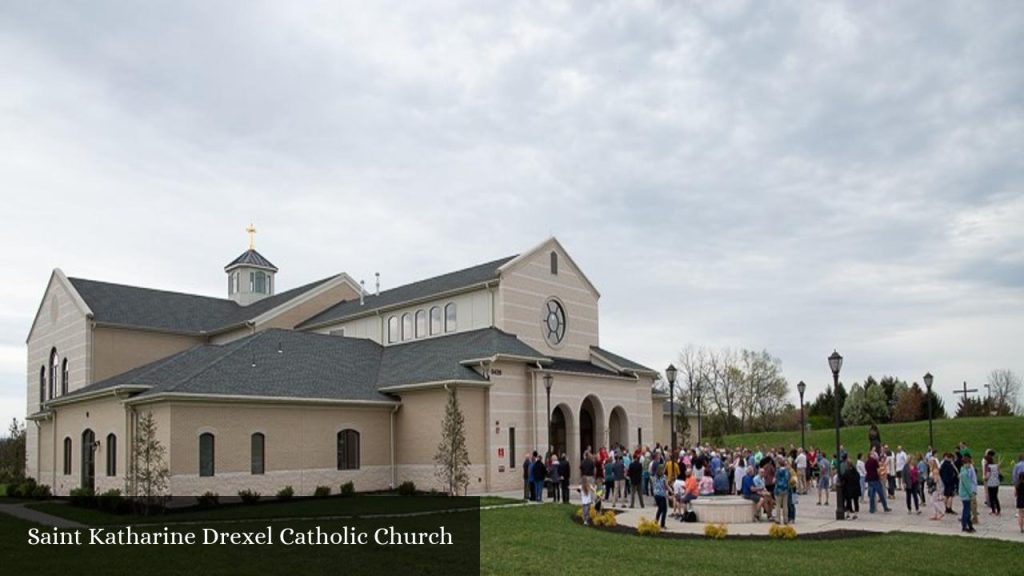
{"x":828,"y":535}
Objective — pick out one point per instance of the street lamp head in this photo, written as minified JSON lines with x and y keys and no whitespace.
{"x":548,"y":379}
{"x":670,"y":373}
{"x":801,"y":387}
{"x":835,"y":362}
{"x":928,"y":381}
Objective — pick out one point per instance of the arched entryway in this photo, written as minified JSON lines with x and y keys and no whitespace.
{"x":592,"y":435}
{"x":89,"y":460}
{"x":618,"y":428}
{"x":560,"y":426}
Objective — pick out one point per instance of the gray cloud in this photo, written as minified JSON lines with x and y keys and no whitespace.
{"x":768,"y":175}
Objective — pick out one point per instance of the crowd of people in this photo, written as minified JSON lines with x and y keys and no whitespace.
{"x":772,"y":479}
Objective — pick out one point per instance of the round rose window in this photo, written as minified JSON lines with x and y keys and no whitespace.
{"x":553,"y":322}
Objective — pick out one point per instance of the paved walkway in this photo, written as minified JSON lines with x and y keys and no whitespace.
{"x":20,"y":511}
{"x":811,"y":518}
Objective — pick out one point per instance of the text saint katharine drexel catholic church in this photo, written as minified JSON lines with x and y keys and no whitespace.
{"x":327,"y":383}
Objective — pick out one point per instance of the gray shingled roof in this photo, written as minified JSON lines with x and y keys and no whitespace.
{"x":316,"y":366}
{"x":623,"y":362}
{"x":131,"y":306}
{"x":251,"y":258}
{"x":579,"y":367}
{"x":410,"y":292}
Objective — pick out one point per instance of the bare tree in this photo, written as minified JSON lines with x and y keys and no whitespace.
{"x":1004,"y":387}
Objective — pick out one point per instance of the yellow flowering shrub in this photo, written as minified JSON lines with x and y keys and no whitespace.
{"x":715,"y":531}
{"x":648,"y":527}
{"x":782,"y":532}
{"x":607,"y":519}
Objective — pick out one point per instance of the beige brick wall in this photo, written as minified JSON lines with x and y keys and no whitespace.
{"x":103,"y":416}
{"x":300,"y":448}
{"x":60,"y":324}
{"x":525,"y":288}
{"x":117,"y":350}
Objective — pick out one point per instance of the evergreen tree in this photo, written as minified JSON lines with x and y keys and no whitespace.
{"x":452,"y":458}
{"x":12,"y":454}
{"x":854,"y":411}
{"x":876,"y":405}
{"x":938,"y":407}
{"x":149,"y":474}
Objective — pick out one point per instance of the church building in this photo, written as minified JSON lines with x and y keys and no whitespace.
{"x":327,"y":382}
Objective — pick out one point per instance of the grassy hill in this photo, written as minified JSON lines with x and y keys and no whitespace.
{"x":1004,"y":435}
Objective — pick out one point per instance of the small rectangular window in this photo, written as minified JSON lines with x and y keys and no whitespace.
{"x":512,"y":447}
{"x":640,"y":437}
{"x":256,"y":466}
{"x":111,"y":455}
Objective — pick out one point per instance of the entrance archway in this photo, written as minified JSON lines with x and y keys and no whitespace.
{"x":559,"y":430}
{"x":89,"y":460}
{"x":618,"y":428}
{"x":592,"y":436}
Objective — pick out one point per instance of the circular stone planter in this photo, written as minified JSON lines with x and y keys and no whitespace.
{"x":723,"y":510}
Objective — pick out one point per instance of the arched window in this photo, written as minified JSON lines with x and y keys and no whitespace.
{"x":348,"y":450}
{"x":450,"y":318}
{"x":67,"y":456}
{"x":406,"y":326}
{"x":54,"y":372}
{"x":111,"y":455}
{"x":206,"y":454}
{"x":64,"y":377}
{"x":554,"y":262}
{"x":393,"y":330}
{"x":421,"y":323}
{"x":435,"y":320}
{"x":257,"y":443}
{"x":42,"y":386}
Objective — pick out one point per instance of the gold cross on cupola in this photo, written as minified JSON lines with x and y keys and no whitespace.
{"x":252,"y":236}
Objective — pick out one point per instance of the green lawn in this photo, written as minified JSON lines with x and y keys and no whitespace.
{"x":514,"y":539}
{"x":520,"y":540}
{"x":1005,"y":435}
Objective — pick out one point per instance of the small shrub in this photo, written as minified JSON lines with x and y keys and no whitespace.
{"x":648,"y":527}
{"x":348,"y":488}
{"x":605,"y":519}
{"x":407,"y":488}
{"x":322,"y":492}
{"x":41,"y":492}
{"x":24,"y":489}
{"x":208,"y":500}
{"x":715,"y":531}
{"x":110,"y":501}
{"x":249,"y":496}
{"x":286,"y":493}
{"x":782,"y":532}
{"x":82,"y":497}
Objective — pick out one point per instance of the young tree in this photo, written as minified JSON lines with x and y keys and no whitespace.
{"x":149,"y":474}
{"x":1004,"y":389}
{"x":452,"y":458}
{"x":12,"y":454}
{"x":682,"y":423}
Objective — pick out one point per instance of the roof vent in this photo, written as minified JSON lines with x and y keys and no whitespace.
{"x":362,"y":292}
{"x":279,"y":350}
{"x":377,"y":274}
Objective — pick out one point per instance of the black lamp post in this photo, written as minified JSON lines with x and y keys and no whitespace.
{"x":801,"y":388}
{"x":699,"y":419}
{"x":670,"y":373}
{"x":548,"y":379}
{"x":835,"y":363}
{"x":928,"y":385}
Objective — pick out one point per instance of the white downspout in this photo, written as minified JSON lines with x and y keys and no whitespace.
{"x":394,"y":463}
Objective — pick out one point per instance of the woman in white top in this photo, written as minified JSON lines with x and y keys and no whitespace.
{"x":991,"y":472}
{"x":863,"y":471}
{"x":739,"y":471}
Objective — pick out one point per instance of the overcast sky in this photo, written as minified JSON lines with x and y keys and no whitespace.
{"x":796,"y":177}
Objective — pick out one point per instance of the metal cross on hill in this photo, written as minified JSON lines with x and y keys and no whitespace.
{"x":965,"y":391}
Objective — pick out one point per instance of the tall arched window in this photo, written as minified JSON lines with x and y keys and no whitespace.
{"x":554,"y":262}
{"x":257,"y":443}
{"x":67,"y":456}
{"x":64,"y":372}
{"x":451,"y":321}
{"x":42,"y":385}
{"x":54,"y":372}
{"x":111,"y":455}
{"x":206,"y":454}
{"x":421,"y":323}
{"x":348,"y":450}
{"x":435,"y":320}
{"x":406,"y":326}
{"x":393,"y":330}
